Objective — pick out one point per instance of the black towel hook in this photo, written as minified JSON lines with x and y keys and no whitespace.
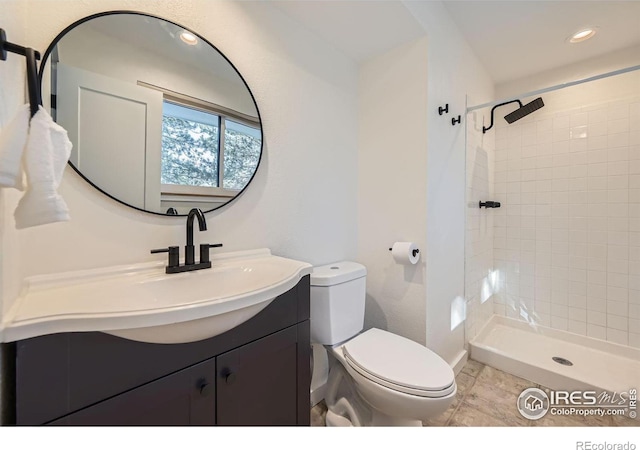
{"x":35,"y":95}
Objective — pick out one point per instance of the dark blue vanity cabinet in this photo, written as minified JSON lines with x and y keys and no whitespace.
{"x":255,"y":374}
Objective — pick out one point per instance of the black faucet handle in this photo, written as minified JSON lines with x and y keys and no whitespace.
{"x":174,"y":255}
{"x":204,"y":251}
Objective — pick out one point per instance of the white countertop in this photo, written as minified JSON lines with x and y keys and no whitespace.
{"x":143,"y":295}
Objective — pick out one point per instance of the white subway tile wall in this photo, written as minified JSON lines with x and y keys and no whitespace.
{"x":480,"y":277}
{"x":566,"y":242}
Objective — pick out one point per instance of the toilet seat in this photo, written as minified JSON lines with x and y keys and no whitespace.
{"x":399,"y":364}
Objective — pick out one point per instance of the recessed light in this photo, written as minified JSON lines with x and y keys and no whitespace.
{"x":582,"y":35}
{"x":188,"y":38}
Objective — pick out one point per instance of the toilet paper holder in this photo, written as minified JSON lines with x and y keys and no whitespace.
{"x":414,"y":252}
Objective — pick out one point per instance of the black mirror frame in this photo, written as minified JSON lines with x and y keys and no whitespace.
{"x":60,"y":35}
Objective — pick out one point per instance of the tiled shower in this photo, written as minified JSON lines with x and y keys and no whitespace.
{"x":563,"y":251}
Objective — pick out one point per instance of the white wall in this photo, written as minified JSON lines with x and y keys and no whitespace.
{"x":567,"y":239}
{"x":454,"y":73}
{"x":302,"y":202}
{"x":392,"y":187}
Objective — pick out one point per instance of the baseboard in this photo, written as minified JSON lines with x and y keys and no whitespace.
{"x":317,"y":394}
{"x":459,"y":361}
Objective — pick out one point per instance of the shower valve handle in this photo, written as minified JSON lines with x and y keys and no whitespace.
{"x":489,"y":204}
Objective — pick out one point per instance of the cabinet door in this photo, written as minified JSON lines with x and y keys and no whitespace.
{"x":257,"y":383}
{"x":186,"y":397}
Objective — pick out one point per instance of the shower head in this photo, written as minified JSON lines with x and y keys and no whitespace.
{"x":519,"y":113}
{"x":524,"y":110}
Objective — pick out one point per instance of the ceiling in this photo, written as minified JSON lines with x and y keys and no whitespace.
{"x":161,"y":38}
{"x":359,"y":28}
{"x":513,"y":39}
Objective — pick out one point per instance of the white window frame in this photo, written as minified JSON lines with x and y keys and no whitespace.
{"x":177,"y":192}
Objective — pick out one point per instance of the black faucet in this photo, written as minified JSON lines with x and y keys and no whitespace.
{"x":189,"y":249}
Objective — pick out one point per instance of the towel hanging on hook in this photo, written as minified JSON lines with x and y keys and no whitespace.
{"x":35,"y":95}
{"x":34,"y":148}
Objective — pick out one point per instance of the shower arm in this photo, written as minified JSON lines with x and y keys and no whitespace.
{"x":485,"y":129}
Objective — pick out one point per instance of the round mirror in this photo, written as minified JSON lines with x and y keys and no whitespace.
{"x":159,"y":119}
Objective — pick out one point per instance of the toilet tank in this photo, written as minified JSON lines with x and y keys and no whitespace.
{"x":337,"y":302}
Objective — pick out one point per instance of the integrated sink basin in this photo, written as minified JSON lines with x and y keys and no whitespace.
{"x":142,"y":303}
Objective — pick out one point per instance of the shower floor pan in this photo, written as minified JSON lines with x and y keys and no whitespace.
{"x":526,"y":351}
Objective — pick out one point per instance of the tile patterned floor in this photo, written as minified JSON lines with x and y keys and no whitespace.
{"x":487,"y":397}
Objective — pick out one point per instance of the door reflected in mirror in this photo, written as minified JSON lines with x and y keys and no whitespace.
{"x":160,"y":119}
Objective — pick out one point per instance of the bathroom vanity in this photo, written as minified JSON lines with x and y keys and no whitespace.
{"x":254,"y":374}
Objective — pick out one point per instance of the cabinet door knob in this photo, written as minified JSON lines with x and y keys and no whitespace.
{"x":203,"y":387}
{"x":230,"y":378}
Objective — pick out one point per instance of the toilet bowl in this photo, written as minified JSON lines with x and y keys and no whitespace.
{"x":376,"y":378}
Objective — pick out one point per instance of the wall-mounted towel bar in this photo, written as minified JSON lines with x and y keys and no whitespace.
{"x":35,"y":95}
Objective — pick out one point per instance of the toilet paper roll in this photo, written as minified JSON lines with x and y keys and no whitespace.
{"x":405,"y":253}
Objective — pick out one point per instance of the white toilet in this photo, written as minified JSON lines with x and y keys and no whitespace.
{"x":376,"y":378}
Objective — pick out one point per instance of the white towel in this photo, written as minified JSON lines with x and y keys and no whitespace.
{"x":45,"y":157}
{"x":12,"y":142}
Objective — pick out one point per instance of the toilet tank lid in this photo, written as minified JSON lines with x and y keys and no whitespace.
{"x":337,"y":273}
